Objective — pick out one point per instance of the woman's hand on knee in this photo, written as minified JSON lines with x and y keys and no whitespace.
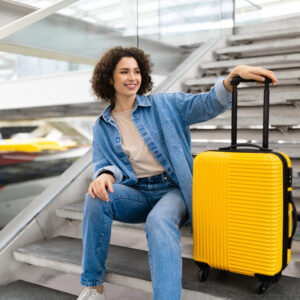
{"x":100,"y":184}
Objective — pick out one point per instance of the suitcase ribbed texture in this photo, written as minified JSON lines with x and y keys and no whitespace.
{"x":238,"y":215}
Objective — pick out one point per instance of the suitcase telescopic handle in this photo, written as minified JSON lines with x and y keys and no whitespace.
{"x":235,"y":82}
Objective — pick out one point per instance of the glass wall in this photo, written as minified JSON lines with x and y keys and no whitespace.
{"x":180,"y":22}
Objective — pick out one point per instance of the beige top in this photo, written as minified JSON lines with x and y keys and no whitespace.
{"x":141,"y":158}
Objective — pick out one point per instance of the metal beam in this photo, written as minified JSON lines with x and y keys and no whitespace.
{"x":34,"y":17}
{"x":51,"y":54}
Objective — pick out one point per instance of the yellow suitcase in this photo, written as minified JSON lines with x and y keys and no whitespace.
{"x":244,"y":217}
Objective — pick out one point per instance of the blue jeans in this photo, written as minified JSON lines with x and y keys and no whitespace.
{"x":158,"y":202}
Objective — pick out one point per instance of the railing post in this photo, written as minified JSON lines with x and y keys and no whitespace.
{"x":137,"y":24}
{"x":233,"y":16}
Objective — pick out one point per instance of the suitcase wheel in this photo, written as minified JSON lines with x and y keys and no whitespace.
{"x":267,"y":281}
{"x":263,"y":287}
{"x":277,"y":277}
{"x":203,"y":274}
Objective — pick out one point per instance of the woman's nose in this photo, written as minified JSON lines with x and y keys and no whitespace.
{"x":132,"y":75}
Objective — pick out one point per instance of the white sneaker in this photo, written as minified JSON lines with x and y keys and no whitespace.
{"x":91,"y":294}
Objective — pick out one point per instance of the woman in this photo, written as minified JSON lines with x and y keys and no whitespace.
{"x":143,"y":165}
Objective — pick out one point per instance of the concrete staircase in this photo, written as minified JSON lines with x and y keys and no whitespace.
{"x":273,"y":45}
{"x":43,"y":242}
{"x":63,"y":253}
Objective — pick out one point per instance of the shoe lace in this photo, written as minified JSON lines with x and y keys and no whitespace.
{"x":84,"y":293}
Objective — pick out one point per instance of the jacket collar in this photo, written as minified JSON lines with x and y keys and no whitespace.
{"x":140,"y":100}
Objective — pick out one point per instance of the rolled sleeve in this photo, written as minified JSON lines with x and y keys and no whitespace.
{"x":224,"y":97}
{"x":116,"y":172}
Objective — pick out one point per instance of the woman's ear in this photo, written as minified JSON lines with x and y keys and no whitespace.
{"x":111,"y":82}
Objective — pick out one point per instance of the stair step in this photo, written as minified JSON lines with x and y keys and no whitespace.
{"x":284,"y":78}
{"x":296,"y":199}
{"x":292,"y":150}
{"x":273,"y":62}
{"x":296,"y":183}
{"x":64,"y":254}
{"x":274,"y":67}
{"x":20,"y":290}
{"x":263,"y":36}
{"x":261,"y":49}
{"x":247,"y":98}
{"x":297,"y":234}
{"x":248,"y":134}
{"x":277,"y":94}
{"x":205,"y":83}
{"x":274,"y":121}
{"x":253,"y":96}
{"x":74,"y":211}
{"x":274,"y":110}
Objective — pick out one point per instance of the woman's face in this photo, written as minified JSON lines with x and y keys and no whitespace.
{"x":126,"y":77}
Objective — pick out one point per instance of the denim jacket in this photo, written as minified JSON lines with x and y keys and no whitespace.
{"x":163,"y":121}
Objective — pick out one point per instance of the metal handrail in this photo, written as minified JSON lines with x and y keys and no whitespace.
{"x":17,"y":225}
{"x":32,"y":18}
{"x":253,"y":4}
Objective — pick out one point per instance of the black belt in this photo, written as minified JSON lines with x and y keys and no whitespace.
{"x":160,"y":178}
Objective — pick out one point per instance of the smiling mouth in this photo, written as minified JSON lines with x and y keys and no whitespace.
{"x":131,"y":86}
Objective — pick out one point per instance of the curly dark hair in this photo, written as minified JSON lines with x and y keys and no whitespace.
{"x":104,"y":69}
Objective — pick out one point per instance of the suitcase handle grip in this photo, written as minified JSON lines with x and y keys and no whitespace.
{"x":235,"y":81}
{"x":234,"y":146}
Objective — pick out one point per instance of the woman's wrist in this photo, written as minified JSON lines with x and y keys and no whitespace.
{"x":226,"y":82}
{"x":110,"y":174}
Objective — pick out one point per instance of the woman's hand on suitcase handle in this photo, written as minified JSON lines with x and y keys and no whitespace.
{"x":249,"y":72}
{"x":99,"y":185}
